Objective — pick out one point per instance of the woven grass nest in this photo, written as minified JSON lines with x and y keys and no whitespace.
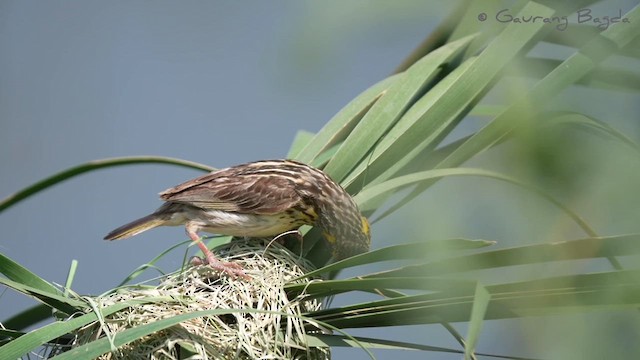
{"x":278,"y":334}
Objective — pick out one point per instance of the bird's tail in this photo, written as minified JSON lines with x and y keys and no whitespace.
{"x":135,"y":227}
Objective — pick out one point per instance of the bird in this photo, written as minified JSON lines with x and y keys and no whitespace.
{"x":259,"y":199}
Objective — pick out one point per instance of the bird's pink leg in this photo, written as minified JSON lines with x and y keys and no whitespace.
{"x":230,"y":268}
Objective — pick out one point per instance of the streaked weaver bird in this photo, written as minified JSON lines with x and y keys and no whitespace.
{"x":259,"y":199}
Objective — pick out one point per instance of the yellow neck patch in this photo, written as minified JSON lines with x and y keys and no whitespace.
{"x":330,"y":238}
{"x":366,"y":229}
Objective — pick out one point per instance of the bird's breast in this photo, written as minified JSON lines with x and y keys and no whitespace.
{"x":249,"y":225}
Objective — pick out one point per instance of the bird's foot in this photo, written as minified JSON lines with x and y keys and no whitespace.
{"x":232,"y":269}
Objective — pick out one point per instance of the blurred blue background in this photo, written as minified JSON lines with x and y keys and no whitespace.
{"x":217,"y":82}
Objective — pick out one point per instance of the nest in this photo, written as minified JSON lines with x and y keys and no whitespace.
{"x":278,"y":333}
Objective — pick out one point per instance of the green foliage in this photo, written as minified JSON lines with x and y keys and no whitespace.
{"x":397,"y":135}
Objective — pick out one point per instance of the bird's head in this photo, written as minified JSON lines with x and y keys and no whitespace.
{"x":347,"y":236}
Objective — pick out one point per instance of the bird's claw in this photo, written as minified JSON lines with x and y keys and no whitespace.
{"x":226,"y":267}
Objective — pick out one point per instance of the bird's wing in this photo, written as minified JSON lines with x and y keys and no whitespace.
{"x":242,"y":193}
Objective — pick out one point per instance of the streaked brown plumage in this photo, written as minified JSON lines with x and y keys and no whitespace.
{"x":258,"y":199}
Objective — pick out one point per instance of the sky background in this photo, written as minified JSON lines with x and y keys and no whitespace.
{"x":216,"y":82}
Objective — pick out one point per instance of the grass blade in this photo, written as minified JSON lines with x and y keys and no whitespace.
{"x":432,"y":118}
{"x":16,"y":272}
{"x":28,"y":317}
{"x":419,"y":250}
{"x":300,"y":141}
{"x":91,"y":166}
{"x":386,"y":111}
{"x":480,"y":303}
{"x":339,"y":127}
{"x":368,"y":199}
{"x":587,"y":248}
{"x":64,"y":304}
{"x":32,"y":340}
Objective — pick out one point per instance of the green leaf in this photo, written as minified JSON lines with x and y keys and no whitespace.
{"x":469,"y":23}
{"x":419,"y":129}
{"x":91,"y":166}
{"x":339,"y":127}
{"x":581,"y":34}
{"x":570,"y":71}
{"x":612,"y":279}
{"x":609,"y":78}
{"x":101,"y":346}
{"x":53,"y":299}
{"x":547,"y":119}
{"x":614,"y":290}
{"x":70,"y":276}
{"x":333,"y":287}
{"x":587,"y":248}
{"x":300,"y":141}
{"x":35,"y":338}
{"x":368,"y":199}
{"x":151,"y":264}
{"x":566,"y":118}
{"x":432,"y":118}
{"x":424,"y":309}
{"x":22,"y":275}
{"x":440,"y":35}
{"x":487,"y":110}
{"x":28,"y":317}
{"x":386,"y":111}
{"x":371,"y":343}
{"x":419,"y":250}
{"x":9,"y":334}
{"x":480,"y":303}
